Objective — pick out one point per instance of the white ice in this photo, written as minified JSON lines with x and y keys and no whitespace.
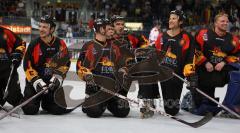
{"x":77,"y":122}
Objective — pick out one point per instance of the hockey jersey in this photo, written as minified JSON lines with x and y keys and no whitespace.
{"x":100,"y":58}
{"x":214,"y":49}
{"x":179,"y":50}
{"x":39,"y":63}
{"x":10,"y":43}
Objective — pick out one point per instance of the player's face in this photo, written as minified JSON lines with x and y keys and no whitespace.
{"x":44,"y":29}
{"x":174,"y":21}
{"x":109,"y":31}
{"x":119,"y":27}
{"x":222,"y":23}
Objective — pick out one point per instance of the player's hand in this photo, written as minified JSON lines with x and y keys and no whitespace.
{"x":219,"y":66}
{"x":209,"y":67}
{"x":55,"y":82}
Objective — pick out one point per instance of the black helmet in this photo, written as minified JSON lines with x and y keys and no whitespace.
{"x":48,"y":19}
{"x":179,"y":13}
{"x":116,"y":17}
{"x":100,"y":22}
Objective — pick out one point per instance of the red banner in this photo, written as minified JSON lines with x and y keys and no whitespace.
{"x":19,"y":29}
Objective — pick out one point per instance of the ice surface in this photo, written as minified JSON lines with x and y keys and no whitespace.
{"x":77,"y":122}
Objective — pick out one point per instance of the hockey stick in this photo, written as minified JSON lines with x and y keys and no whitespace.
{"x":210,"y":98}
{"x":197,"y":124}
{"x":8,"y":82}
{"x":6,"y":110}
{"x":24,"y":103}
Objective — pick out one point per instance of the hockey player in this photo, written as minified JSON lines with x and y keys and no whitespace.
{"x":179,"y":48}
{"x":100,"y":57}
{"x":216,"y":50}
{"x":39,"y":70}
{"x":126,"y":39}
{"x":12,"y":49}
{"x":131,"y":42}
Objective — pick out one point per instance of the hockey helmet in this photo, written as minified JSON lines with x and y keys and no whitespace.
{"x":48,"y":19}
{"x":100,"y":22}
{"x":179,"y":13}
{"x":116,"y":17}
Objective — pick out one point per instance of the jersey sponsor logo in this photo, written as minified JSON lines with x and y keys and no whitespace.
{"x":106,"y":49}
{"x":171,"y":40}
{"x":215,"y":59}
{"x":51,"y":49}
{"x":107,"y":65}
{"x":220,"y":39}
{"x":107,"y":70}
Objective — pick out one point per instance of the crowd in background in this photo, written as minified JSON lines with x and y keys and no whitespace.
{"x":198,"y":13}
{"x":13,"y":8}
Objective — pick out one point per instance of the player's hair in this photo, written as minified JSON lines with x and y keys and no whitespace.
{"x":220,"y":14}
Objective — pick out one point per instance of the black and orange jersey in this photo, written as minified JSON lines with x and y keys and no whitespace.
{"x":38,"y":59}
{"x":100,"y":58}
{"x":131,"y":41}
{"x":214,"y":49}
{"x":179,"y":50}
{"x":9,"y":43}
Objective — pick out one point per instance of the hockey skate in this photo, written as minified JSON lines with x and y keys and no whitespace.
{"x":145,"y":112}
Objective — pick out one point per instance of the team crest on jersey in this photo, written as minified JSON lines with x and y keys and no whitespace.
{"x":218,"y":52}
{"x":170,"y":54}
{"x":205,"y":37}
{"x":170,"y":59}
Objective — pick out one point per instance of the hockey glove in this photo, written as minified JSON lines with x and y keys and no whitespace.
{"x":55,"y":82}
{"x":16,"y":59}
{"x":188,"y":70}
{"x":193,"y":82}
{"x":39,"y":85}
